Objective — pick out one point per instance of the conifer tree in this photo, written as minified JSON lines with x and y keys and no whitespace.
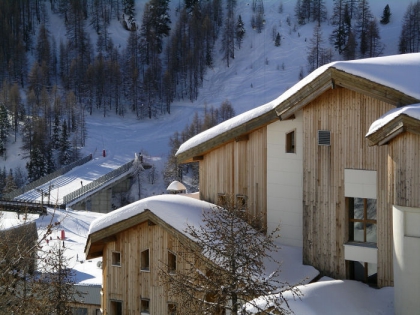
{"x":4,"y":129}
{"x":240,"y":32}
{"x":10,"y":183}
{"x":386,"y":15}
{"x":64,"y":149}
{"x":409,"y":41}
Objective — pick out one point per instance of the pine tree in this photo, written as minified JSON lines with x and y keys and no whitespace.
{"x":375,"y":47}
{"x":64,"y":149}
{"x":386,"y":15}
{"x":342,"y":22}
{"x":277,"y":42}
{"x":4,"y":129}
{"x":240,"y":32}
{"x":10,"y":183}
{"x":409,"y":41}
{"x":364,"y":16}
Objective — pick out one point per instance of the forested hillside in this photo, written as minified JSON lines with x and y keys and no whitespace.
{"x":52,"y":81}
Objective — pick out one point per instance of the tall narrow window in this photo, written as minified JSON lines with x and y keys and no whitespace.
{"x":171,"y":309}
{"x":145,"y":261}
{"x":116,"y":308}
{"x":362,"y":220}
{"x":171,"y":262}
{"x":145,"y":306}
{"x":290,"y":142}
{"x":116,"y":259}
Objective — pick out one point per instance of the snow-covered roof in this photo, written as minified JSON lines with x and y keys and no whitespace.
{"x":176,"y":186}
{"x":400,"y":72}
{"x":176,"y":210}
{"x":409,"y":110}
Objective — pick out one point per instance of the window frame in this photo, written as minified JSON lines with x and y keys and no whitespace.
{"x":291,"y":141}
{"x":364,"y":221}
{"x":114,"y":309}
{"x":142,"y":260}
{"x":172,"y":264}
{"x":115,"y":262}
{"x":142,"y":302}
{"x":171,"y":308}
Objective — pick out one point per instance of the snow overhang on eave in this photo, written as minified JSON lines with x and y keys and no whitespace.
{"x":237,"y":133}
{"x":395,"y":127}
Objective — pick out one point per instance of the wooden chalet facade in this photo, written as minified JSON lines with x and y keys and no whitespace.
{"x":135,"y":248}
{"x":303,"y":162}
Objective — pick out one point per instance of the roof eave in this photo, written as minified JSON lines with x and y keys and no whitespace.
{"x":395,"y":127}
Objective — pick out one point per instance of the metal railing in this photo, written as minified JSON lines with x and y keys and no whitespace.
{"x":47,"y":178}
{"x":97,"y":183}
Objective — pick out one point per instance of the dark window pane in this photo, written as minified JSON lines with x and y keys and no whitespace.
{"x":371,"y":209}
{"x":371,"y":233}
{"x":358,"y":208}
{"x":358,"y":232}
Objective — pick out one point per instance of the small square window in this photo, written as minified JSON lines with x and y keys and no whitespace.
{"x":116,"y":308}
{"x":171,"y":309}
{"x":171,"y":262}
{"x":145,"y":261}
{"x":116,"y":258}
{"x":145,"y":306}
{"x":290,"y":142}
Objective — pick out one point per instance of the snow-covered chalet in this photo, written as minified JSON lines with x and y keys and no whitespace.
{"x":335,"y":160}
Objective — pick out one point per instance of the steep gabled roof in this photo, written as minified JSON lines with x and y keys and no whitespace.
{"x":393,"y":79}
{"x":172,"y":212}
{"x":393,"y":123}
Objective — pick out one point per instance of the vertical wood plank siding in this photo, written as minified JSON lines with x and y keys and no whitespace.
{"x":128,"y":283}
{"x":238,"y":168}
{"x":348,"y":116}
{"x":404,"y":167}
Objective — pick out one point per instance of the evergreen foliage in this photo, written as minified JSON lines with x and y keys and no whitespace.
{"x":4,"y":129}
{"x":386,"y":15}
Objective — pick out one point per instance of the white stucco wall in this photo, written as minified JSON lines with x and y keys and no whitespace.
{"x":406,"y":229}
{"x":285,"y":181}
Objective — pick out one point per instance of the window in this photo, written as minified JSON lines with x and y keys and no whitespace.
{"x":290,"y":142}
{"x":145,"y":262}
{"x":171,"y":262}
{"x":116,"y":308}
{"x":98,"y":311}
{"x":171,"y":308}
{"x":241,"y":202}
{"x":362,"y":220}
{"x":145,"y":306}
{"x":79,"y":311}
{"x":363,"y":271}
{"x":116,"y":258}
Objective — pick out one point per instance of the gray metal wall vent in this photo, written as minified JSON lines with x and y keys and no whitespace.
{"x":324,"y":137}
